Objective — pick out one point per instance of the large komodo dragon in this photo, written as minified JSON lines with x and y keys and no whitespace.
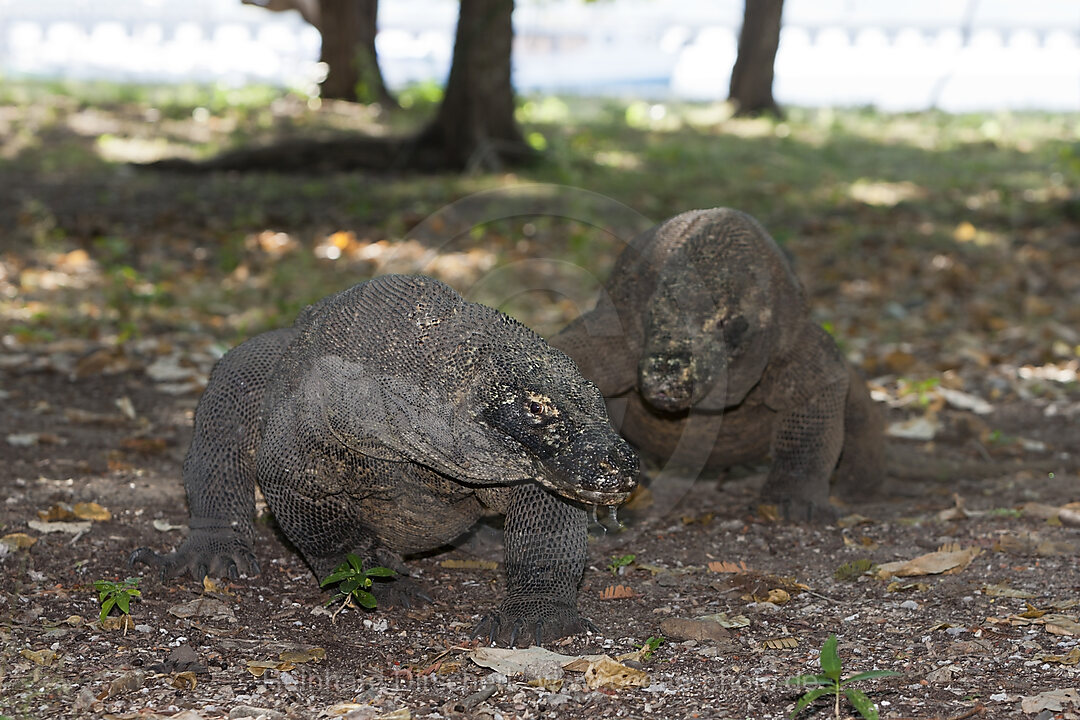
{"x":702,"y":333}
{"x":385,"y":422}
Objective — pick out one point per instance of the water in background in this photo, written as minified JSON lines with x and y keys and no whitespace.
{"x":956,"y":55}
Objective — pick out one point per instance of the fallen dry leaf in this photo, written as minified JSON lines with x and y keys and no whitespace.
{"x":1057,"y":624}
{"x":780,"y":643}
{"x":942,"y":562}
{"x":18,"y":541}
{"x":532,"y":662}
{"x":1053,"y":700}
{"x":315,"y":654}
{"x":723,"y":566}
{"x":1072,"y":658}
{"x":204,"y":607}
{"x":44,"y":657}
{"x":607,"y":672}
{"x":91,"y":511}
{"x":258,"y":667}
{"x":702,"y":629}
{"x":919,"y":428}
{"x":78,"y":529}
{"x":778,"y":596}
{"x":853,"y":520}
{"x":616,"y":592}
{"x":1006,"y":591}
{"x":183,"y":681}
{"x":118,"y":622}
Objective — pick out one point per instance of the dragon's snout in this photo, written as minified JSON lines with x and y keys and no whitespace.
{"x":667,"y":381}
{"x":611,"y":475}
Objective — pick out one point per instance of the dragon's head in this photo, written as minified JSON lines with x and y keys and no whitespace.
{"x":723,"y":302}
{"x":543,"y":405}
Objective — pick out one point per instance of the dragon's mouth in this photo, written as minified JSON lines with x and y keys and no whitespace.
{"x":575,"y":490}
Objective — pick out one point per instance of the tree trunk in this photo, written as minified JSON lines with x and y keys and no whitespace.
{"x":475,"y":126}
{"x":348,"y":48}
{"x":752,"y":76}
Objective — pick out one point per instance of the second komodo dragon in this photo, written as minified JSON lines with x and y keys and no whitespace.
{"x":702,"y":337}
{"x":385,"y":422}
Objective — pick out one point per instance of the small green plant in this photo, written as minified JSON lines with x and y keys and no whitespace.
{"x":649,"y":646}
{"x":923,"y":389}
{"x":829,"y":682}
{"x":620,"y":562}
{"x":851,"y":571}
{"x":354,"y":583}
{"x":116,"y":594}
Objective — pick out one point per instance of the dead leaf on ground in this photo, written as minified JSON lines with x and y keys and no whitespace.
{"x":1072,"y":658}
{"x":616,"y":592}
{"x":78,"y":511}
{"x":183,"y":681}
{"x":88,"y":417}
{"x":1006,"y":591}
{"x":166,"y":526}
{"x":607,"y":672}
{"x":904,"y":587}
{"x":532,"y":662}
{"x":965,"y":401}
{"x":942,"y":562}
{"x":145,"y":445}
{"x":780,"y":643}
{"x":853,"y":520}
{"x":204,"y":607}
{"x":703,"y":629}
{"x":1058,"y":624}
{"x":315,"y":654}
{"x":724,"y":566}
{"x":44,"y":657}
{"x":918,"y":428}
{"x":258,"y":667}
{"x":78,"y":529}
{"x":118,"y":622}
{"x":777,"y":596}
{"x":18,"y":541}
{"x":35,"y":438}
{"x":1053,"y":700}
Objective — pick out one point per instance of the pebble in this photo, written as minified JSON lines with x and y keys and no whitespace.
{"x":909,"y":605}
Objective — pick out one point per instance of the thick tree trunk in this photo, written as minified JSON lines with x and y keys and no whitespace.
{"x":752,"y":76}
{"x":475,"y":126}
{"x":348,"y":48}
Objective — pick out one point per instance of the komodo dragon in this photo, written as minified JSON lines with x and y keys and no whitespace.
{"x":702,"y":333}
{"x":385,"y":422}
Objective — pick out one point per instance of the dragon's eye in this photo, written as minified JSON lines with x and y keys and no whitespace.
{"x":536,"y":408}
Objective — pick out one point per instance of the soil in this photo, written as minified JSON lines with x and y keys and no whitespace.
{"x":93,"y":415}
{"x":947,"y":637}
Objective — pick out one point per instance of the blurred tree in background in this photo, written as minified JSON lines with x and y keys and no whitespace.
{"x":752,"y":76}
{"x":348,"y":29}
{"x":475,"y":125}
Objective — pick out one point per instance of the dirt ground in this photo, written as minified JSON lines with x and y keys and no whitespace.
{"x":123,"y":288}
{"x":949,"y":635}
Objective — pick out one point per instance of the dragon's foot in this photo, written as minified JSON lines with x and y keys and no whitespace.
{"x":206,"y":551}
{"x":802,"y":510}
{"x":523,"y":616}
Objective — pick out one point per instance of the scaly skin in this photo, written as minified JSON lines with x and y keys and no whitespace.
{"x":385,"y":423}
{"x":702,"y":339}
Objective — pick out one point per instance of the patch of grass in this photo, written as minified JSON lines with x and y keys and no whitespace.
{"x":618,"y":562}
{"x":851,"y":571}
